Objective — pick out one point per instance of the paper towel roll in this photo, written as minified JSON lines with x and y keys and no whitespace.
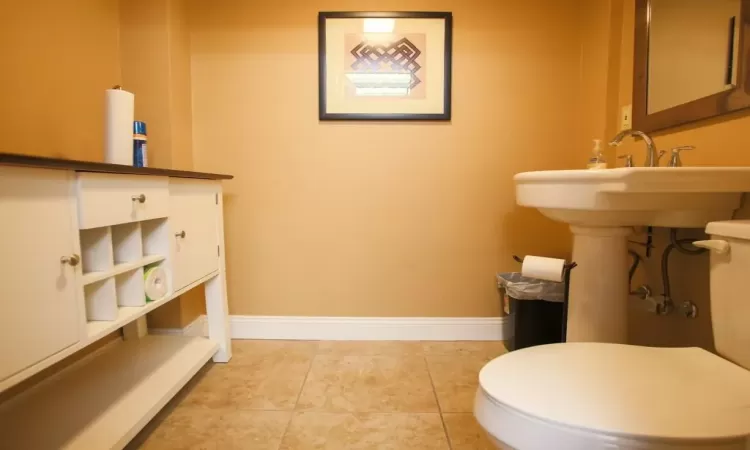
{"x":550,"y":269}
{"x":118,"y":126}
{"x":156,"y":284}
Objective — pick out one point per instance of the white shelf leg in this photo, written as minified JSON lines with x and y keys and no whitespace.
{"x":217,"y":313}
{"x":217,"y":308}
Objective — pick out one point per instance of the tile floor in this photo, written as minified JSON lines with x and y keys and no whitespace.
{"x":293,"y":395}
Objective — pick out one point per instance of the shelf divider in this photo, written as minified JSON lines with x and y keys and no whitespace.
{"x":117,"y":269}
{"x":96,"y":249}
{"x":126,"y":239}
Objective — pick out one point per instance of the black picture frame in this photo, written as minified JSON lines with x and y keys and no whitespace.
{"x":323,"y":115}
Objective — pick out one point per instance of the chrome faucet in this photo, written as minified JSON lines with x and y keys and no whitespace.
{"x":652,"y":158}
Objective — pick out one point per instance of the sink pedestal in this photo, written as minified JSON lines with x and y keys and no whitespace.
{"x":597,"y":308}
{"x":602,"y":205}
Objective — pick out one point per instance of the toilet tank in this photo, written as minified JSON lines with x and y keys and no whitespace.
{"x":730,"y":290}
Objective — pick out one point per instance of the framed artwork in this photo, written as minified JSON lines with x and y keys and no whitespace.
{"x":384,"y":65}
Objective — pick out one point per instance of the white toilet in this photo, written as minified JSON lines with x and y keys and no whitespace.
{"x":580,"y":396}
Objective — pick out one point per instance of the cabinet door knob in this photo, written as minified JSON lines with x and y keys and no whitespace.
{"x":181,"y":234}
{"x":73,"y":260}
{"x":139,"y":198}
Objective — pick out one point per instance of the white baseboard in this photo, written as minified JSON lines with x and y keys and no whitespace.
{"x":357,"y":328}
{"x":372,"y":328}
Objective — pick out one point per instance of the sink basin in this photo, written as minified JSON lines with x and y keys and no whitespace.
{"x":682,"y":197}
{"x":602,"y":207}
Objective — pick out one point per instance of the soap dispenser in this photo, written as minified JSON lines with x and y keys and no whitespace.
{"x":597,"y":160}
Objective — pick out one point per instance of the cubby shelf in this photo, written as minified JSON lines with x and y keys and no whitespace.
{"x":127,"y":314}
{"x":103,"y":402}
{"x":117,"y":269}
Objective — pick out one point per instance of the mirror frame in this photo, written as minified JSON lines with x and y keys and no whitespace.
{"x":702,"y":108}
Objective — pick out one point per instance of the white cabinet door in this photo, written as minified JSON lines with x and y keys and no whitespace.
{"x":40,"y":295}
{"x":193,"y":210}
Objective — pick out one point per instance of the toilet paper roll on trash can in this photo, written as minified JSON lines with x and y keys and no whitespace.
{"x":549,"y":269}
{"x":538,"y":307}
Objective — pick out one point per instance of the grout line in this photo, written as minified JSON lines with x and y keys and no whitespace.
{"x":299,"y":394}
{"x":437,"y":400}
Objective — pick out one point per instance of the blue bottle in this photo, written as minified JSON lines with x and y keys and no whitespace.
{"x":140,"y":153}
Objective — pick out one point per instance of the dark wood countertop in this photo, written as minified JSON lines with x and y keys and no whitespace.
{"x":11,"y":159}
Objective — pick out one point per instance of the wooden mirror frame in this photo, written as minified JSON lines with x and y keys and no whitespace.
{"x":702,"y":108}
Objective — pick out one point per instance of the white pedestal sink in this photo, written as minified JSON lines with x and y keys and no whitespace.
{"x":602,"y":206}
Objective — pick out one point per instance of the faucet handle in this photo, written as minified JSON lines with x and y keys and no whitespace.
{"x":658,"y":157}
{"x":675,"y":161}
{"x":628,"y":159}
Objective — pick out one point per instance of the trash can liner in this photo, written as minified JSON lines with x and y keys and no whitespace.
{"x":524,"y":288}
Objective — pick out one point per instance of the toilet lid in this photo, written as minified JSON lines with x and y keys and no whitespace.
{"x":668,"y":393}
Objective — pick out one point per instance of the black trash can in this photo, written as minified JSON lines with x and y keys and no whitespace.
{"x":538,"y":307}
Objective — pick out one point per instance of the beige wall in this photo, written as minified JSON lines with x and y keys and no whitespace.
{"x":144,"y":54}
{"x":381,"y":219}
{"x":599,"y":85}
{"x":57,"y":59}
{"x":180,"y":101}
{"x":722,"y":141}
{"x":155,"y":57}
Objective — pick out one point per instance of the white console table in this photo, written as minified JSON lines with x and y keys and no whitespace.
{"x":75,"y":239}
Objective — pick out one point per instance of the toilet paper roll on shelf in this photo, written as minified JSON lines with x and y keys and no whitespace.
{"x":119,"y":110}
{"x":155,"y":283}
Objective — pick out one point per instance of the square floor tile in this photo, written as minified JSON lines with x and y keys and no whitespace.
{"x":464,"y":433}
{"x":368,"y":384}
{"x":268,"y":380}
{"x":220,"y":429}
{"x":379,"y":431}
{"x":456,"y":380}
